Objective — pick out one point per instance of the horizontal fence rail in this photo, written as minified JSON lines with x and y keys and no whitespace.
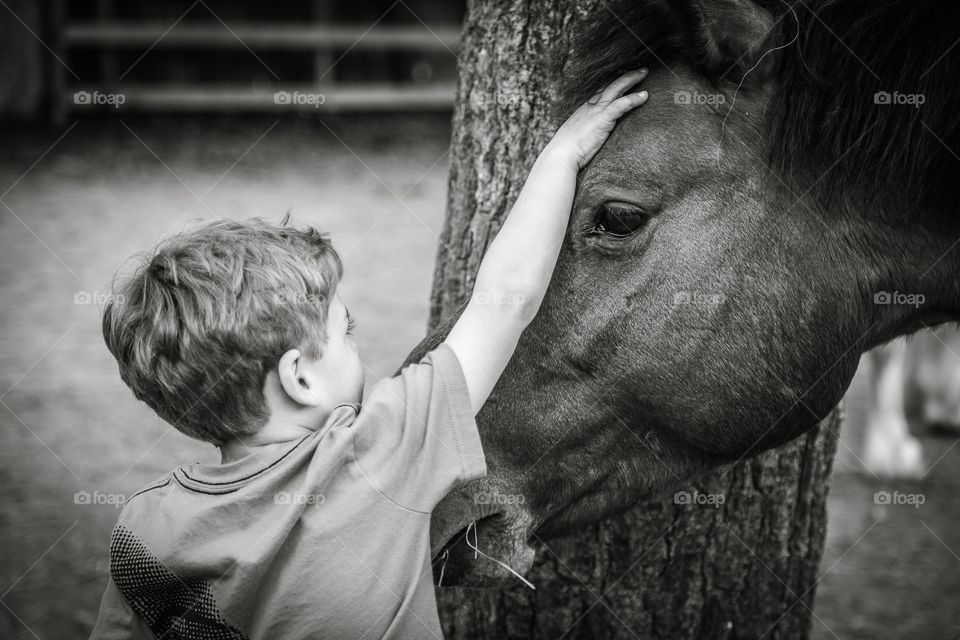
{"x":324,"y":42}
{"x":217,"y":35}
{"x":342,"y":97}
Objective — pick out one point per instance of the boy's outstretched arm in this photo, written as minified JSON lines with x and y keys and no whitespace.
{"x":517,"y":267}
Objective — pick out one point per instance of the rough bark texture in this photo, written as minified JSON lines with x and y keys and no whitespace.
{"x":745,"y":569}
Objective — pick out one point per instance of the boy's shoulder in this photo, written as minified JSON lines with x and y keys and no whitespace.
{"x":140,"y":518}
{"x":141,"y":504}
{"x":159,"y":483}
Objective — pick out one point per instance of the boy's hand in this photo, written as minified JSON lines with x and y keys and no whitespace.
{"x":584,"y":132}
{"x":516,"y":269}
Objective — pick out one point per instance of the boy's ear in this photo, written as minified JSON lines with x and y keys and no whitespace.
{"x":299,"y":381}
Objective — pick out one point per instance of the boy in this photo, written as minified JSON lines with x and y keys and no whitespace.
{"x":316,"y":523}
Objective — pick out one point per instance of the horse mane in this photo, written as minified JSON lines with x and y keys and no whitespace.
{"x":822,"y":111}
{"x":619,"y":37}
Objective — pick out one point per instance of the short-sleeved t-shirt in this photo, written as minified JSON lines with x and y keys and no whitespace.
{"x":325,"y":537}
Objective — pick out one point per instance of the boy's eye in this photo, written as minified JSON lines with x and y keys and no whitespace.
{"x":351,"y":324}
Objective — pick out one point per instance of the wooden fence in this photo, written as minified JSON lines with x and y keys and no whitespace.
{"x":321,"y":40}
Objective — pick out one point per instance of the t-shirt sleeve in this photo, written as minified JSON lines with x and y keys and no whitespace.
{"x":116,"y":620}
{"x":415,"y":437}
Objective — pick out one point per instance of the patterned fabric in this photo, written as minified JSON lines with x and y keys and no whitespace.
{"x":173,"y":607}
{"x":325,"y":537}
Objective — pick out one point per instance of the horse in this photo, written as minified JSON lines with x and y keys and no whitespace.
{"x":908,"y":382}
{"x":727,"y":257}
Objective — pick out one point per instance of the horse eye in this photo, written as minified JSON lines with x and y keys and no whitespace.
{"x":618,"y":219}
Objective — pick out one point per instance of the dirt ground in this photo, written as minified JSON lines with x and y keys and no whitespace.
{"x":78,"y":207}
{"x":892,"y":571}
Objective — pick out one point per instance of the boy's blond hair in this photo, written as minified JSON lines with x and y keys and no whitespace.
{"x":204,"y":318}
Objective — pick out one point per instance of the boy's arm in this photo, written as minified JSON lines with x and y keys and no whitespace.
{"x":514,"y":274}
{"x":116,"y":620}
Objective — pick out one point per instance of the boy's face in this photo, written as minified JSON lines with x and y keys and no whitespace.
{"x":340,"y":367}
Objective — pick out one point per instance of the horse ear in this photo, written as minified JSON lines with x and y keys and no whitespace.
{"x":726,"y":36}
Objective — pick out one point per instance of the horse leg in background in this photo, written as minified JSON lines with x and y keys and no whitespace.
{"x":933,"y":389}
{"x":889,"y":449}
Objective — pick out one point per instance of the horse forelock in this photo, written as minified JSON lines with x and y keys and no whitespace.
{"x":617,"y":38}
{"x":863,"y":96}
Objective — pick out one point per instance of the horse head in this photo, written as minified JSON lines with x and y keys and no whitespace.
{"x":776,"y":208}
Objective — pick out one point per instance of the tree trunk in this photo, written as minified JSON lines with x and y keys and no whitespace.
{"x":743,"y":569}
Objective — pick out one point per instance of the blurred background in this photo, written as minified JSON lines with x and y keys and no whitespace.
{"x":123,"y":122}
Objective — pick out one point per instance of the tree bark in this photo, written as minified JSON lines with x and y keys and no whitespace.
{"x":743,"y":569}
